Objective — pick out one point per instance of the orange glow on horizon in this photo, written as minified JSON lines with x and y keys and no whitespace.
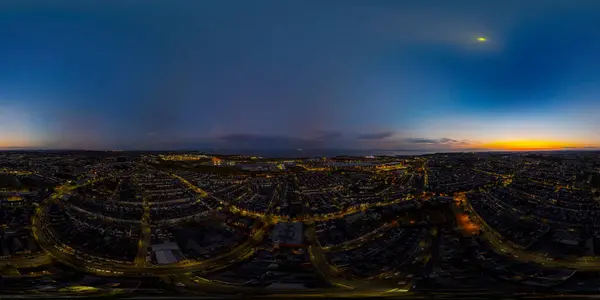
{"x":15,"y":143}
{"x":517,"y":145}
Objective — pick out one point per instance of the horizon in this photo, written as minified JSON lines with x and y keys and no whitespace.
{"x":278,"y":153}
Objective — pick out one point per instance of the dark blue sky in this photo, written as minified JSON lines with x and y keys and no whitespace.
{"x":298,"y":74}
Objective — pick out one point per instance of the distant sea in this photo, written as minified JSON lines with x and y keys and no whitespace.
{"x":275,"y":153}
{"x":301,"y":153}
{"x":297,"y":153}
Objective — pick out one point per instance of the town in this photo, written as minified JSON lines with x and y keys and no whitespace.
{"x":111,"y":222}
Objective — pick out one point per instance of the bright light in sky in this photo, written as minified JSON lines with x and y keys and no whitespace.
{"x":481,"y":39}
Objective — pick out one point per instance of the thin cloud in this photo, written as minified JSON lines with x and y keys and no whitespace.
{"x":328,"y":135}
{"x":421,"y":141}
{"x":255,"y":141}
{"x":440,"y":141}
{"x":583,"y":147}
{"x":375,"y":136}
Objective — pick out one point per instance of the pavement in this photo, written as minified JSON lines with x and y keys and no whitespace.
{"x":145,"y":236}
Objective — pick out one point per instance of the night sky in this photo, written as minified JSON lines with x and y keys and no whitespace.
{"x":335,"y":74}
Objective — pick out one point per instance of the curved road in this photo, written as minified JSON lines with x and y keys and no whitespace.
{"x":91,"y":264}
{"x":495,"y":240}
